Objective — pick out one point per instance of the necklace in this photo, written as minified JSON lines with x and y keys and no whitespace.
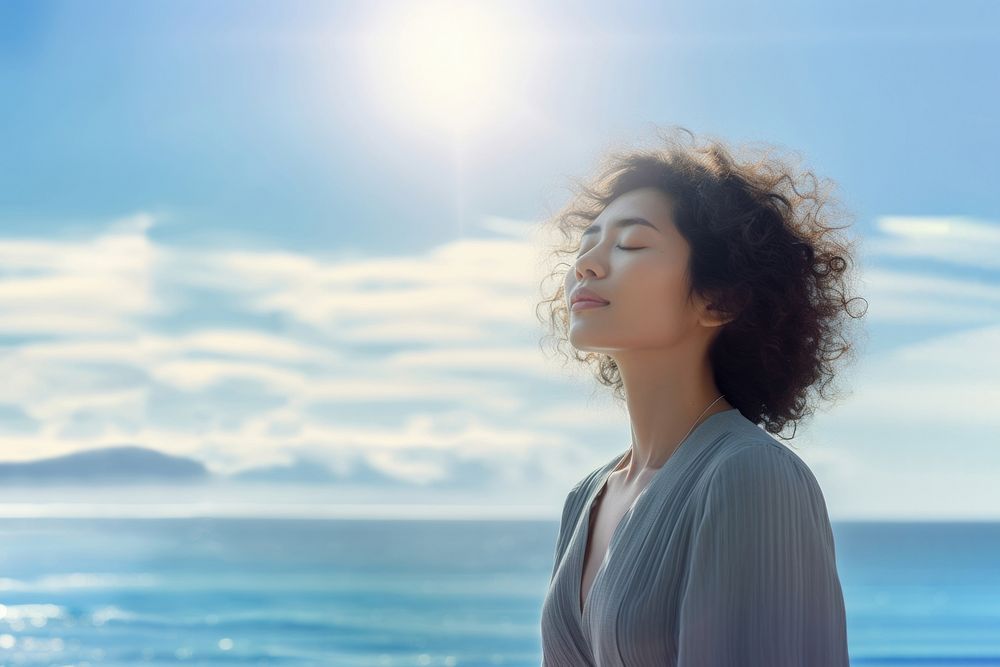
{"x":604,"y":485}
{"x":628,"y":453}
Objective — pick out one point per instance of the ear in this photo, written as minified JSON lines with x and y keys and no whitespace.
{"x":710,"y":314}
{"x":717,"y":318}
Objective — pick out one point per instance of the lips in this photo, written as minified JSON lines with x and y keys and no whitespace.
{"x":584,"y":304}
{"x":585,"y":295}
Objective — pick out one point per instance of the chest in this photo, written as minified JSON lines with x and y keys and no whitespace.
{"x":606,"y":513}
{"x":621,"y":608}
{"x":628,"y":597}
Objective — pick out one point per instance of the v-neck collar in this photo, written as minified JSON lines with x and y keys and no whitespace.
{"x":686,"y":450}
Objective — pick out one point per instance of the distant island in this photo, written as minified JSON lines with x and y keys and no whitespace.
{"x":127,"y":464}
{"x":123,"y":464}
{"x":301,"y":471}
{"x":131,"y":463}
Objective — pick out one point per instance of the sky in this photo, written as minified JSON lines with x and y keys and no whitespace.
{"x":254,"y":233}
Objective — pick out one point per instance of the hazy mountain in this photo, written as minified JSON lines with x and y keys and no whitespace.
{"x":124,"y":464}
{"x":307,"y":470}
{"x":302,"y":470}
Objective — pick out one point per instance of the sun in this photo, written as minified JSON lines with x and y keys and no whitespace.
{"x":453,"y":65}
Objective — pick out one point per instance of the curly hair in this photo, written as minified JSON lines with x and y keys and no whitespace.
{"x":761,"y":245}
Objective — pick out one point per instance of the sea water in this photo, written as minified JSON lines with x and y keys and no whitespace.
{"x":357,"y":592}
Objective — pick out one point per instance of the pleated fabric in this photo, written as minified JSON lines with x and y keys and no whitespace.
{"x":726,"y":559}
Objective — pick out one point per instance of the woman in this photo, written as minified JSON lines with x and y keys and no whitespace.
{"x":709,"y":293}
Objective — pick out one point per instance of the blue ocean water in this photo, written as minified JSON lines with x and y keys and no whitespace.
{"x":203,"y":591}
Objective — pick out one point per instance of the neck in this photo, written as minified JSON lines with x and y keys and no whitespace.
{"x":666,"y":400}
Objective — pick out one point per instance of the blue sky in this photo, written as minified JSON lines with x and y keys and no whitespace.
{"x":246,"y":232}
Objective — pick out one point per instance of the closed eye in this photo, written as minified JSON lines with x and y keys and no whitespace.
{"x":618,"y":246}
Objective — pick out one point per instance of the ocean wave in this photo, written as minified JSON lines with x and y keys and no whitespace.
{"x":58,"y":582}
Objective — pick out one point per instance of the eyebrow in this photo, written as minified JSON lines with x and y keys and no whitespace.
{"x":624,"y":222}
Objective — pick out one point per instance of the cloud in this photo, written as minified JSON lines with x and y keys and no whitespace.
{"x":245,"y":358}
{"x":517,"y":229}
{"x":968,"y":296}
{"x":62,"y":288}
{"x":901,"y":296}
{"x":352,"y":300}
{"x":923,"y":411}
{"x":958,"y":240}
{"x":426,"y":368}
{"x":13,"y":419}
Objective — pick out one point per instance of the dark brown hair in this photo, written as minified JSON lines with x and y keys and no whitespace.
{"x":763,"y":249}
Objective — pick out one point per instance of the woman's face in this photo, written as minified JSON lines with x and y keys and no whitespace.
{"x":640,"y":269}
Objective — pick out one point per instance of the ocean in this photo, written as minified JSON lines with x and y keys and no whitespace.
{"x":359,"y":592}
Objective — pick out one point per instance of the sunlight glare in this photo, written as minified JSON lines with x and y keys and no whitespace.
{"x":452,"y":65}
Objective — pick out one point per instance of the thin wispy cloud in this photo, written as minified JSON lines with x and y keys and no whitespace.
{"x":167,"y":374}
{"x":315,"y":264}
{"x":922,"y":292}
{"x":958,"y":240}
{"x":424,"y":367}
{"x":62,"y":288}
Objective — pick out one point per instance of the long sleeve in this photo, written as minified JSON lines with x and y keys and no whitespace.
{"x":762,"y":587}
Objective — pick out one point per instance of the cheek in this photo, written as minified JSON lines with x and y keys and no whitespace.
{"x":652,"y":299}
{"x":655,"y":280}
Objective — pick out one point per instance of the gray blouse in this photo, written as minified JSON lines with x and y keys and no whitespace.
{"x":726,"y":559}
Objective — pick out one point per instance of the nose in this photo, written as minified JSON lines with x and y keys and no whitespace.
{"x":586,"y":265}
